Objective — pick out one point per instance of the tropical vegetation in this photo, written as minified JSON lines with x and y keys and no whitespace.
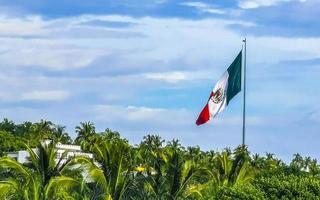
{"x":152,"y":170}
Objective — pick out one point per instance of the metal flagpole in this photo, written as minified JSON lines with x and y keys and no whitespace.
{"x":244,"y":93}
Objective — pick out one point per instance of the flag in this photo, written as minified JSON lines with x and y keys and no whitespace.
{"x":225,"y":89}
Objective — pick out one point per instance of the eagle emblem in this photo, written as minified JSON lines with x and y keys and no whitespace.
{"x":218,"y":96}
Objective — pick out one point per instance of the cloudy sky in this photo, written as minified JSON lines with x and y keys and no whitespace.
{"x":147,"y":67}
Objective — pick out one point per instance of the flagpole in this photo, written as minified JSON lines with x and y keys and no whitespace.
{"x":244,"y":92}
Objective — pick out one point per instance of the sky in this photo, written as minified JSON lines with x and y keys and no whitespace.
{"x":148,"y":66}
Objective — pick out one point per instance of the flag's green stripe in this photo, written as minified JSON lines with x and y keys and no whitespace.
{"x":234,"y":80}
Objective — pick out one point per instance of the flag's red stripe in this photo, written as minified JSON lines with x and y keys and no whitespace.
{"x":205,"y":113}
{"x":204,"y":116}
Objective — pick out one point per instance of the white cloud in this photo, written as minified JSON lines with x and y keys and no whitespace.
{"x":59,"y":44}
{"x":28,"y":26}
{"x":178,"y":76}
{"x":171,"y":77}
{"x":251,"y":4}
{"x":53,"y":95}
{"x":47,"y":54}
{"x":33,"y":41}
{"x":206,"y":8}
{"x":143,"y":113}
{"x":131,"y":114}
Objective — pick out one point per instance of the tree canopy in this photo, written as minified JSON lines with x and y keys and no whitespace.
{"x":153,"y":170}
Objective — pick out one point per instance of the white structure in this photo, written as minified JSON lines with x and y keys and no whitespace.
{"x":20,"y":156}
{"x":70,"y":150}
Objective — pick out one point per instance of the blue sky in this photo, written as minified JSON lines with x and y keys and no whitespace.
{"x":147,"y":67}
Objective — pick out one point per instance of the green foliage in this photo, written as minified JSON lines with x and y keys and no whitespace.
{"x":115,"y":167}
{"x":240,"y":192}
{"x":289,"y":187}
{"x":14,"y":136}
{"x":152,"y":170}
{"x":42,"y":178}
{"x":9,"y":142}
{"x":232,"y":169}
{"x":86,"y":134}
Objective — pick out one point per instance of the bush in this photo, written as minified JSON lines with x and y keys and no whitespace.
{"x":240,"y":192}
{"x":289,"y":187}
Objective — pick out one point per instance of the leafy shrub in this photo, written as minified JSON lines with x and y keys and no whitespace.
{"x":289,"y":187}
{"x":240,"y":192}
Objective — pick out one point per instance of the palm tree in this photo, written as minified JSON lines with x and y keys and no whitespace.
{"x":230,"y":172}
{"x":7,"y":125}
{"x":24,"y":129}
{"x":152,"y":148}
{"x":257,"y":161}
{"x":86,"y":132}
{"x":21,"y":182}
{"x":195,"y":153}
{"x":314,"y":169}
{"x":180,"y":173}
{"x":43,"y":127}
{"x":168,"y":174}
{"x":113,"y":171}
{"x":307,"y":163}
{"x":43,"y":177}
{"x":60,"y":135}
{"x":297,"y":164}
{"x":232,"y":169}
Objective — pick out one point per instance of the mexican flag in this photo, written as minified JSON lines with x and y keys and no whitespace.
{"x":225,"y":89}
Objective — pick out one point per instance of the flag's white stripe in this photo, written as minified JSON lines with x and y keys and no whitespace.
{"x":214,"y":107}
